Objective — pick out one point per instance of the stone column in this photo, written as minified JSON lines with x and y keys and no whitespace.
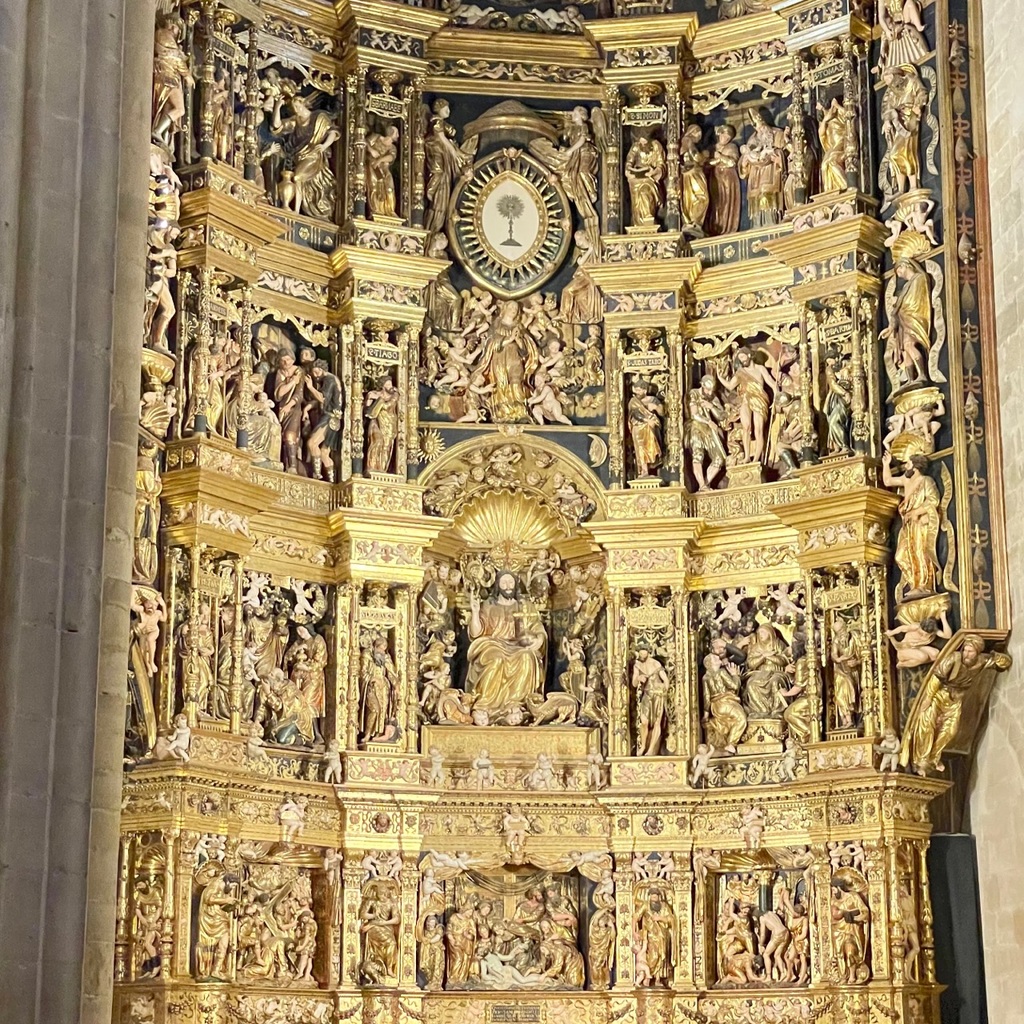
{"x":76,"y":113}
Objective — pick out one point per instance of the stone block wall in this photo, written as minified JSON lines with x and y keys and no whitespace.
{"x":997,"y":799}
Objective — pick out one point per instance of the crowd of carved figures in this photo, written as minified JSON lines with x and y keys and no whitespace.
{"x":455,"y":732}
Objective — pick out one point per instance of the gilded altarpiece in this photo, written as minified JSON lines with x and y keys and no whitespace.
{"x":568,"y":570}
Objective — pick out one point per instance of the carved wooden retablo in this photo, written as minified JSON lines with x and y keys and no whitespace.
{"x":564,"y":558}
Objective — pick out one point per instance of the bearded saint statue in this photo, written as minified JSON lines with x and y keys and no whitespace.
{"x":506,"y":651}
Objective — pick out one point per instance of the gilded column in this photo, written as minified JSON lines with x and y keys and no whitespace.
{"x":682,"y":900}
{"x":851,"y":106}
{"x":191,"y":652}
{"x":417,"y":127}
{"x":676,"y":390}
{"x":245,"y":392}
{"x":251,"y":145}
{"x":348,"y":686}
{"x":206,"y":80}
{"x":886,"y":701}
{"x":879,"y":930}
{"x":357,"y":103}
{"x":618,"y":699}
{"x":624,"y":922}
{"x":927,"y":917}
{"x":123,"y":959}
{"x":352,"y":883}
{"x":869,"y":695}
{"x":798,"y":128}
{"x":809,"y":440}
{"x":356,"y":403}
{"x":868,"y":333}
{"x":858,"y":373}
{"x":813,"y":676}
{"x":199,"y":378}
{"x":411,"y":706}
{"x":410,"y":345}
{"x":896,"y":932}
{"x":681,"y":725}
{"x":171,"y":845}
{"x":352,"y":413}
{"x":821,"y":917}
{"x":410,"y":881}
{"x":673,"y":205}
{"x":183,"y":903}
{"x":613,"y":379}
{"x":612,"y":160}
{"x":404,"y":441}
{"x":237,"y":648}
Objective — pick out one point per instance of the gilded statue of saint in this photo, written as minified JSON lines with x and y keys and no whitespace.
{"x":935,"y":718}
{"x":909,"y":333}
{"x":727,"y":720}
{"x":762,"y":166}
{"x":696,"y":195}
{"x":381,"y":153}
{"x":506,"y":650}
{"x":653,"y":686}
{"x":382,"y":414}
{"x":645,"y":169}
{"x":725,"y":182}
{"x":216,"y":905}
{"x":920,"y":520}
{"x":379,"y":678}
{"x":903,"y":104}
{"x":655,"y":927}
{"x":834,"y":130}
{"x":171,"y":76}
{"x":148,"y":487}
{"x":644,"y":412}
{"x":509,"y":358}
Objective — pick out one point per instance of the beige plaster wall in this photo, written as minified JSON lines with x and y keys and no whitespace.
{"x":997,"y":799}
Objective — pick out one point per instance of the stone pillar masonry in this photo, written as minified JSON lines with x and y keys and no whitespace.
{"x":76,"y":106}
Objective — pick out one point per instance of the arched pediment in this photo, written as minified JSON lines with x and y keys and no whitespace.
{"x":545,"y":472}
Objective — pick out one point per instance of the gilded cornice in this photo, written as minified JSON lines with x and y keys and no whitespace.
{"x":647,"y":30}
{"x":567,"y":50}
{"x":418,"y":22}
{"x":737,"y":33}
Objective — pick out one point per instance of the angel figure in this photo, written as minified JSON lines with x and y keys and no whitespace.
{"x":174,"y":746}
{"x":445,"y":163}
{"x":751,"y":826}
{"x":581,"y":298}
{"x":576,"y":163}
{"x":889,"y":749}
{"x":902,"y":28}
{"x":915,"y":641}
{"x":515,"y":826}
{"x":311,"y":182}
{"x":545,"y":403}
{"x":151,"y":613}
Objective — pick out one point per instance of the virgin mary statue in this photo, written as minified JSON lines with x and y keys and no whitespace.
{"x":506,"y":651}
